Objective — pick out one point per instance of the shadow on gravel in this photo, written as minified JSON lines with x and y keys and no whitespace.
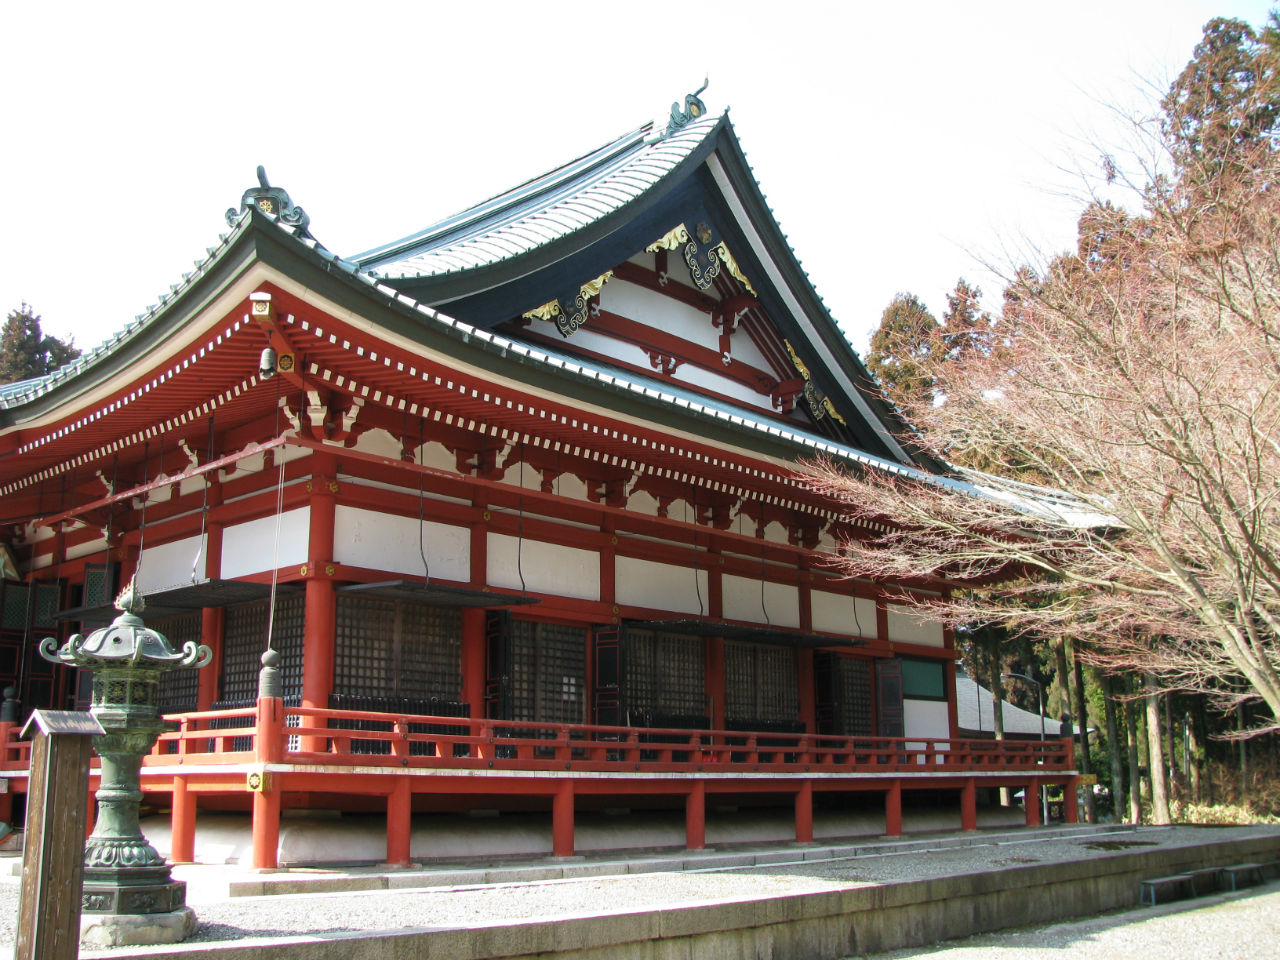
{"x":210,"y":932}
{"x":1118,"y":844}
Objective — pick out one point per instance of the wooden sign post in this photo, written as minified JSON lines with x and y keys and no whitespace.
{"x":53,"y":863}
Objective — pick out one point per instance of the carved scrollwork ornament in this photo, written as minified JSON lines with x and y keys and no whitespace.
{"x":694,"y":108}
{"x":273,"y":201}
{"x":820,"y":404}
{"x":571,"y":311}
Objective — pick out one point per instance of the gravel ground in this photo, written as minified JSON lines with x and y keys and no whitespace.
{"x":1243,"y":926}
{"x":222,"y":918}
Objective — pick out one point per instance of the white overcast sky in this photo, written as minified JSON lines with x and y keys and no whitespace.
{"x":899,"y":144}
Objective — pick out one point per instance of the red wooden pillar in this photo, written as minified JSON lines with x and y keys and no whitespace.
{"x":8,"y":734}
{"x":893,"y":810}
{"x":695,"y":817}
{"x":474,"y":656}
{"x":1031,"y":801}
{"x":969,"y":805}
{"x":212,"y":624}
{"x":317,"y":656}
{"x":715,"y":645}
{"x":399,"y":823}
{"x":1070,"y":800}
{"x":212,"y":619}
{"x":268,"y":748}
{"x":562,"y":820}
{"x":182,"y":823}
{"x":804,"y":813}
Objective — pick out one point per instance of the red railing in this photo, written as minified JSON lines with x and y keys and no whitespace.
{"x":350,"y":737}
{"x":308,"y":735}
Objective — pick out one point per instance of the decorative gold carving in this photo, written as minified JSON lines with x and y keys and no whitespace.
{"x":702,"y":278}
{"x":673,"y":239}
{"x":819,"y":404}
{"x":679,"y":238}
{"x":567,"y":321}
{"x":799,"y":364}
{"x":257,"y":781}
{"x":734,"y":271}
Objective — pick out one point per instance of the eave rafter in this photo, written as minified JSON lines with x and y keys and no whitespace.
{"x":340,"y":374}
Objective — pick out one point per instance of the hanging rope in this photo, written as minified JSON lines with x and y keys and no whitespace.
{"x":697,"y":583}
{"x":760,"y":531}
{"x":204,"y":505}
{"x":520,"y":525}
{"x":142,"y":531}
{"x":275,"y":552}
{"x":426,"y":567}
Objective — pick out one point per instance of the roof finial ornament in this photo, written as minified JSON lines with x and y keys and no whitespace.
{"x":130,"y":598}
{"x":693,"y":109}
{"x":273,"y":201}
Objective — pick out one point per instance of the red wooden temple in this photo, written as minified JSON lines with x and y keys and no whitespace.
{"x":512,"y":501}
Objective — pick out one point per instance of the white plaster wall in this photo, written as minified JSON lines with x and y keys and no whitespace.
{"x":742,"y":601}
{"x":380,"y":443}
{"x":77,"y":551}
{"x":587,"y":340}
{"x":671,"y":316}
{"x":547,"y":567}
{"x":926,"y":718}
{"x":905,"y":627}
{"x":169,"y":564}
{"x":717,"y":383}
{"x":250,"y":547}
{"x":642,"y":502}
{"x":660,"y":586}
{"x":381,"y":541}
{"x":433,"y":454}
{"x":833,"y":613}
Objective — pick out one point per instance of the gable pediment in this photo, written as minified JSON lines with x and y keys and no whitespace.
{"x":658,"y":257}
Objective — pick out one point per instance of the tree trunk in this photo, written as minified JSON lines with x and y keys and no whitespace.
{"x":1176,"y":775}
{"x":1244,"y":756}
{"x":1084,"y":763}
{"x":1202,"y":735}
{"x":1064,"y":686}
{"x":1118,"y":792}
{"x":1155,"y":755}
{"x":1135,"y":778}
{"x":997,"y":708}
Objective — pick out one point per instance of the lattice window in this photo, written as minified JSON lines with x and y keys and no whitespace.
{"x":245,"y":639}
{"x":548,"y":672}
{"x":48,"y":600}
{"x":853,"y":716}
{"x":665,"y":677}
{"x":396,"y":648}
{"x":13,"y":615}
{"x":761,"y":684}
{"x":179,"y":689}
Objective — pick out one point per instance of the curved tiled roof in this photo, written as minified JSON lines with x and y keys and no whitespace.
{"x":542,"y":210}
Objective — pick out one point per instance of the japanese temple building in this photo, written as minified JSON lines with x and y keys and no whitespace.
{"x":513,"y":500}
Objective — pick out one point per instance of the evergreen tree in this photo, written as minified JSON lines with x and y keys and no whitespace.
{"x":1226,"y":101}
{"x":900,"y":351}
{"x":25,"y":352}
{"x":966,"y":327}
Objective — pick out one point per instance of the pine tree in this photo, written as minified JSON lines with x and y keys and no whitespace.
{"x":900,"y":351}
{"x":25,"y":352}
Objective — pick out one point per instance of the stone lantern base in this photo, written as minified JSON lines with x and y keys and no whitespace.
{"x":133,"y":907}
{"x":99,"y":930}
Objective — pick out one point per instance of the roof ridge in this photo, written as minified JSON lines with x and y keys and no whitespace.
{"x":512,"y":196}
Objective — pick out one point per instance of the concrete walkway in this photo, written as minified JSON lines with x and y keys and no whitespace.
{"x":825,"y":900}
